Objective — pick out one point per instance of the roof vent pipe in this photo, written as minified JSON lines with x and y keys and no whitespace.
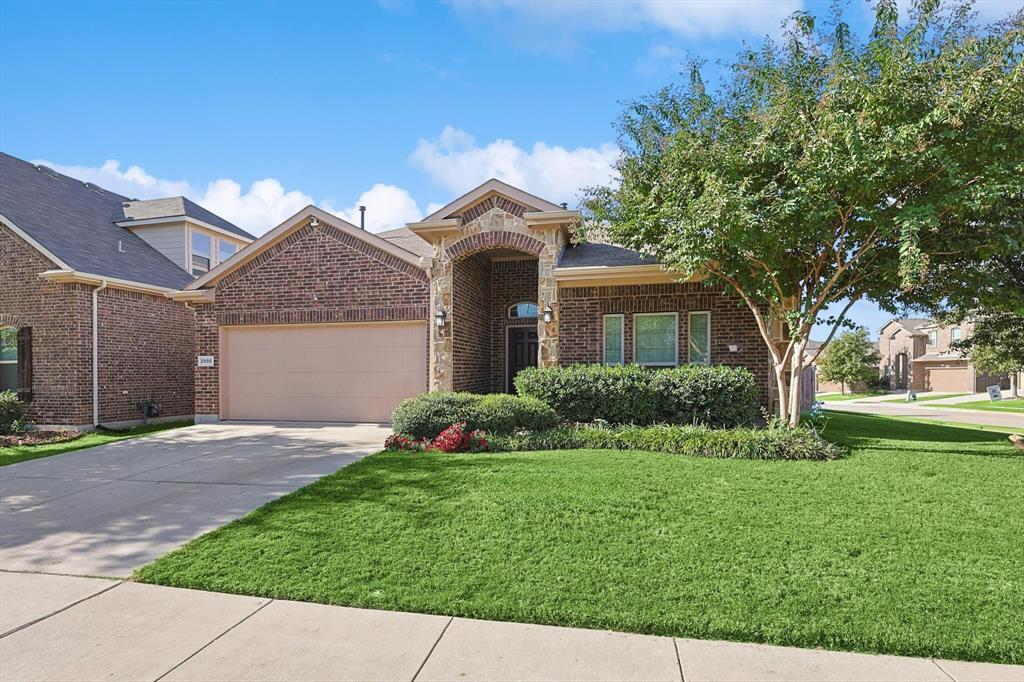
{"x":565,"y":205}
{"x":362,"y":217}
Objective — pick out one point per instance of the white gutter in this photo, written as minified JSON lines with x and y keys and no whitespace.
{"x":96,"y":353}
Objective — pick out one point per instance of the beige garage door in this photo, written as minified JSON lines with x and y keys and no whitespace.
{"x":348,"y":373}
{"x":952,"y":379}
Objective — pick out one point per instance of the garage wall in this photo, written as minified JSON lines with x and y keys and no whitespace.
{"x":314,"y":275}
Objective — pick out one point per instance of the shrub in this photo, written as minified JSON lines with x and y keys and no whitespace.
{"x":428,"y":414}
{"x":402,"y":443}
{"x":458,"y":438}
{"x":696,"y":441}
{"x":714,"y":395}
{"x":12,"y":413}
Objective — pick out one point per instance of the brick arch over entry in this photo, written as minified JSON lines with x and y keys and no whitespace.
{"x":482,"y":241}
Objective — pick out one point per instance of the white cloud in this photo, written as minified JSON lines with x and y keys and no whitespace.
{"x":695,"y":18}
{"x":264,"y":205}
{"x":456,"y":162}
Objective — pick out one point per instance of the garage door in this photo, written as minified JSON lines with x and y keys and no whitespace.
{"x":350,"y":373}
{"x":952,"y":379}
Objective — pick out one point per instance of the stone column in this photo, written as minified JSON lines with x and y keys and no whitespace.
{"x":547,"y":294}
{"x":441,"y":378}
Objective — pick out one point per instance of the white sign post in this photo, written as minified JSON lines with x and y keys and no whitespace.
{"x":204,"y":361}
{"x":911,"y":395}
{"x":994,"y":393}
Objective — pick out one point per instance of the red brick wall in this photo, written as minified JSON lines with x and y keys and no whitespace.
{"x":315,"y":275}
{"x":471,"y":324}
{"x":146,"y":343}
{"x":581,"y":311}
{"x":512,"y":281}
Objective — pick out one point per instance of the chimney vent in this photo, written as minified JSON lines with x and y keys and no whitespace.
{"x":565,"y":205}
{"x":362,"y":217}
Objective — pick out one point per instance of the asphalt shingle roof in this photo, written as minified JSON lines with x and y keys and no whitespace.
{"x":174,"y":207}
{"x":406,"y":239}
{"x":75,"y":221}
{"x":593,"y":255}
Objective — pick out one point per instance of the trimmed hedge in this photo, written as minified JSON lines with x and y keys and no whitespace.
{"x":428,"y":414}
{"x":12,"y":413}
{"x":711,"y":395}
{"x":696,"y":441}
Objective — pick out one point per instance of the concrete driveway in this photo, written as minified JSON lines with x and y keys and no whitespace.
{"x":108,"y":510}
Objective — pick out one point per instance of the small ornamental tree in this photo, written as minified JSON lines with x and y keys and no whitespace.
{"x":850,"y":358}
{"x":829,"y":170}
{"x":996,"y":344}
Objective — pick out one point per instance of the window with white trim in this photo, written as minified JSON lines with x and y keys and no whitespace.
{"x":699,"y":352}
{"x":8,"y":359}
{"x":614,"y":339}
{"x":202,"y":249}
{"x":225,"y":250}
{"x":933,"y":338}
{"x":956,"y":334}
{"x":656,"y":339}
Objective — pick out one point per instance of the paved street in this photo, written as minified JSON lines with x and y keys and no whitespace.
{"x":929,"y":410}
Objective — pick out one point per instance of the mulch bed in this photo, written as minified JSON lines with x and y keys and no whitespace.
{"x":38,"y":438}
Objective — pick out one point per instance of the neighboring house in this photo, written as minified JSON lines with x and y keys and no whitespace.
{"x":821,"y":385}
{"x":87,"y":333}
{"x":320,"y":320}
{"x":916,"y":355}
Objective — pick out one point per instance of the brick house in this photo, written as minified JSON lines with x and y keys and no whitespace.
{"x":916,"y":355}
{"x":88,"y":335}
{"x":320,"y":320}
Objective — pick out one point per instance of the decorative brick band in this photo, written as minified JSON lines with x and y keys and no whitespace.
{"x":482,"y":241}
{"x":10,"y":320}
{"x":322,"y":315}
{"x":505,"y":204}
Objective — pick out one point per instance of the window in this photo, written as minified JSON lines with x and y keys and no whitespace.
{"x":956,"y":334}
{"x":656,"y":339}
{"x":225,"y":250}
{"x":614,"y":339}
{"x":700,"y":338}
{"x":522,"y":310}
{"x":8,"y":359}
{"x":201,"y":248}
{"x":933,"y":338}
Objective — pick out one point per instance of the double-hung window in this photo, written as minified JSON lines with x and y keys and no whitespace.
{"x":225,"y":250}
{"x":700,"y":338}
{"x":8,"y":359}
{"x":614,"y":339}
{"x":955,"y":334}
{"x":656,"y":339}
{"x":202,"y":248}
{"x":933,"y":338}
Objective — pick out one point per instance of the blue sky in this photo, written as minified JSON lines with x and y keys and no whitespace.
{"x":256,"y":109}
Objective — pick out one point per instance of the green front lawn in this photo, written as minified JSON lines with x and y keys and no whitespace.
{"x":911,"y":545}
{"x":840,"y":397}
{"x":21,"y":453}
{"x":1011,"y":405}
{"x":925,"y":397}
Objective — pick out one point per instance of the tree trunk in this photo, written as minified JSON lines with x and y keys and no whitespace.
{"x":780,"y":385}
{"x":1013,"y":385}
{"x":796,"y":379}
{"x":842,"y":387}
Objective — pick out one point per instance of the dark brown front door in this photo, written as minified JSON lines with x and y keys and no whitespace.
{"x":522,"y":352}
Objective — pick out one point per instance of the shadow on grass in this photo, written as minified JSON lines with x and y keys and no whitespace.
{"x":874,"y":432}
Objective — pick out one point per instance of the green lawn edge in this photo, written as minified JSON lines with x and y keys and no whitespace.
{"x":24,"y":453}
{"x":414,"y":536}
{"x":1008,"y":406}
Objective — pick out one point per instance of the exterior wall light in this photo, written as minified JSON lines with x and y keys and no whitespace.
{"x":439,"y":317}
{"x":547,"y":314}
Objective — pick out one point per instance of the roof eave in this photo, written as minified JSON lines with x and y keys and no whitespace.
{"x":163,"y":220}
{"x":71,"y":276}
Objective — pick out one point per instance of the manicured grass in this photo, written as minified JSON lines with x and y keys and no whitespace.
{"x":1012,"y":405}
{"x":925,"y":397}
{"x":911,"y":545}
{"x":840,"y":397}
{"x":21,"y":453}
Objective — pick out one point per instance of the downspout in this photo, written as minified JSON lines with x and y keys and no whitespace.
{"x":96,"y":353}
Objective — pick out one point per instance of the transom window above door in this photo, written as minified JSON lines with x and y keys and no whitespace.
{"x":522,"y":310}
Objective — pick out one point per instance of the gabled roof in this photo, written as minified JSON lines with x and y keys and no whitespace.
{"x":493,"y":185}
{"x":296,"y":222}
{"x":590,"y":254}
{"x":71,"y":222}
{"x":911,"y":325}
{"x":137,"y":212}
{"x":408,"y":240}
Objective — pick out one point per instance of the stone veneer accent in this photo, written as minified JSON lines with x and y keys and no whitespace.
{"x":582,"y":310}
{"x":315,"y":275}
{"x":145,"y":343}
{"x":492,"y":224}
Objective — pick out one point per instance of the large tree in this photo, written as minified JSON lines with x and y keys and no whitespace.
{"x":829,"y":170}
{"x":996,"y":344}
{"x":850,"y":359}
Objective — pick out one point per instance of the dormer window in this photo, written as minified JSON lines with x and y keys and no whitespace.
{"x":225,"y":250}
{"x":202,"y":247}
{"x":522,"y":310}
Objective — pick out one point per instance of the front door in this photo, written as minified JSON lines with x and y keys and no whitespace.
{"x":522,"y":352}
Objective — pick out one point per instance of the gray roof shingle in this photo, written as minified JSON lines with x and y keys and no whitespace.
{"x":175,"y":207}
{"x":405,"y":238}
{"x":75,"y":221}
{"x":592,"y":254}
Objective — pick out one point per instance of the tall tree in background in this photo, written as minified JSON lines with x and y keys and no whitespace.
{"x":851,"y":358}
{"x":996,"y":344}
{"x":830,"y":170}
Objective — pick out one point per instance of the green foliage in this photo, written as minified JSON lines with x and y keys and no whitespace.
{"x":996,"y":343}
{"x":696,"y":441}
{"x":713,"y":395}
{"x":849,"y":359}
{"x":829,"y":169}
{"x":12,"y":413}
{"x":428,"y":414}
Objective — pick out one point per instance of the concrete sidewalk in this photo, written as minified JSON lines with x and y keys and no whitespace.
{"x":73,"y":628}
{"x":919,"y":411}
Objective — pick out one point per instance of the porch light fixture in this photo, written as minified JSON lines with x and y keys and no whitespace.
{"x":439,"y":317}
{"x":547,"y":314}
